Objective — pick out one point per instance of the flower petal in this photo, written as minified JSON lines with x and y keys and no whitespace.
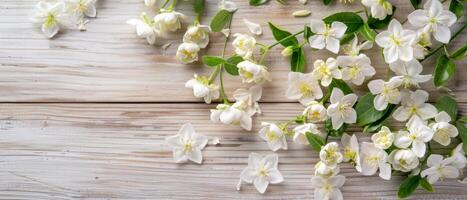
{"x":261,"y":184}
{"x":253,"y":27}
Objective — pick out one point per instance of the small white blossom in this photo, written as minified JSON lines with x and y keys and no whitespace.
{"x":145,"y":28}
{"x":187,"y":145}
{"x":351,"y":151}
{"x":384,"y":138}
{"x":356,"y":68}
{"x":439,"y":168}
{"x":227,"y":5}
{"x":261,"y":171}
{"x":374,"y":158}
{"x":187,"y":52}
{"x":379,"y":8}
{"x":409,"y":73}
{"x":330,"y":154}
{"x":303,"y":87}
{"x":386,"y":92}
{"x":51,"y":17}
{"x":328,"y":188}
{"x":413,"y":104}
{"x":403,"y":160}
{"x":459,"y":159}
{"x":422,"y":44}
{"x":273,"y":135}
{"x":250,"y":96}
{"x":198,"y":34}
{"x":168,"y":21}
{"x":341,"y":109}
{"x":202,"y":88}
{"x":81,"y":8}
{"x":326,"y":71}
{"x":433,"y":18}
{"x":237,"y":114}
{"x":324,"y":170}
{"x":326,"y":35}
{"x":396,"y":42}
{"x":444,"y":131}
{"x":244,"y":45}
{"x":354,"y":48}
{"x":315,"y":112}
{"x":301,"y":130}
{"x":418,"y":135}
{"x":253,"y":73}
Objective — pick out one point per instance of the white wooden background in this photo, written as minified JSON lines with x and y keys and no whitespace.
{"x":84,"y":116}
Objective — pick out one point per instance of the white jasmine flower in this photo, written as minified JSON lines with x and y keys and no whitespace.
{"x":253,"y":27}
{"x":315,"y":112}
{"x":396,"y":42}
{"x":418,"y":135}
{"x":354,"y":48}
{"x":198,"y":34}
{"x":413,"y":104}
{"x":326,"y":71}
{"x":328,"y":188}
{"x":253,"y":73}
{"x":227,"y":5}
{"x":341,"y":108}
{"x":244,"y":45}
{"x":262,"y":171}
{"x":187,"y":52}
{"x":421,"y":47}
{"x":272,"y":134}
{"x":301,"y":130}
{"x":168,"y":21}
{"x":150,"y":3}
{"x":351,"y":150}
{"x":80,"y":8}
{"x":187,"y":145}
{"x":403,"y":160}
{"x":51,"y":17}
{"x":444,"y":131}
{"x":330,"y":154}
{"x":374,"y":158}
{"x":384,"y":138}
{"x":386,"y":92}
{"x":459,"y":159}
{"x":250,"y":96}
{"x":433,"y":18}
{"x":324,"y":170}
{"x":237,"y":114}
{"x":145,"y":28}
{"x":439,"y":168}
{"x":202,"y":88}
{"x":410,"y":73}
{"x":379,"y":8}
{"x":356,"y":68}
{"x":327,"y":35}
{"x":303,"y":87}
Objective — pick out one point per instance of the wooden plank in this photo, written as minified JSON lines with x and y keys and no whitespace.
{"x":107,"y":63}
{"x":103,"y":151}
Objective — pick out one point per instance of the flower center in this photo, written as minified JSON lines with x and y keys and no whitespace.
{"x":272,"y":136}
{"x":305,"y":89}
{"x":349,"y":153}
{"x":372,"y":160}
{"x":247,"y":74}
{"x":188,"y":146}
{"x":327,"y":30}
{"x":413,"y":110}
{"x":354,"y":71}
{"x":50,"y":21}
{"x":343,"y":107}
{"x":324,"y":70}
{"x":262,"y":172}
{"x":315,"y":115}
{"x":396,"y":41}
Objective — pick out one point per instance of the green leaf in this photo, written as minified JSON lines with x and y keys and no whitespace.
{"x":415,"y":3}
{"x":351,"y":19}
{"x":459,"y":54}
{"x":367,"y":32}
{"x":198,"y":6}
{"x":298,"y":61}
{"x":280,"y":34}
{"x":315,"y":141}
{"x":462,"y":133}
{"x":220,"y":20}
{"x":380,"y":24}
{"x":448,"y":105}
{"x":327,"y":2}
{"x":366,"y":111}
{"x":408,"y":186}
{"x":457,"y":8}
{"x":375,"y":126}
{"x":444,"y":69}
{"x":426,"y":185}
{"x":347,"y":38}
{"x":212,"y":61}
{"x":307,"y":33}
{"x":231,"y":65}
{"x":257,"y":2}
{"x":333,"y":132}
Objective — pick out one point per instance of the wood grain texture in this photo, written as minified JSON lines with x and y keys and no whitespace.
{"x":108,"y":63}
{"x":103,"y":151}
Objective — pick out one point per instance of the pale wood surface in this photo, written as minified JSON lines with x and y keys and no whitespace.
{"x":107,"y":150}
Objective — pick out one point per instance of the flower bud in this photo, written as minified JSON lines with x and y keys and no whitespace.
{"x":287,"y":51}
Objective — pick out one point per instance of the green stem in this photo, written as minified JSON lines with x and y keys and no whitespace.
{"x":172,"y":6}
{"x":214,"y":74}
{"x":263,"y":56}
{"x":437,"y":49}
{"x":221,"y":67}
{"x":283,"y":39}
{"x":197,"y":19}
{"x":165,"y":3}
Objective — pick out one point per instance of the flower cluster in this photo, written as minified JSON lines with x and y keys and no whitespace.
{"x":52,"y":16}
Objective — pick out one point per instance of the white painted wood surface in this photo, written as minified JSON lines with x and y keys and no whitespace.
{"x":110,"y":150}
